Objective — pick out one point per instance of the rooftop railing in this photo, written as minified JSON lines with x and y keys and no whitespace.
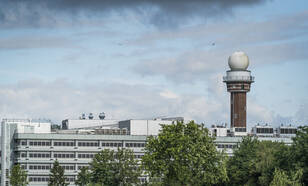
{"x":239,"y":78}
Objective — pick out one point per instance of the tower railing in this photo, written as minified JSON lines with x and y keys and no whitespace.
{"x":239,"y":78}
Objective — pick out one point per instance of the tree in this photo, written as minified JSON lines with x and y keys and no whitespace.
{"x":258,"y":162}
{"x":184,"y":154}
{"x":254,"y":162}
{"x":240,"y":163}
{"x":126,"y":168}
{"x":56,"y":177}
{"x":18,"y":176}
{"x":282,"y":179}
{"x":266,"y":161}
{"x":115,"y":168}
{"x":83,"y":177}
{"x":300,"y":151}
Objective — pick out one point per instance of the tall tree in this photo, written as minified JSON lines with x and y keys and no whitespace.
{"x":126,"y":168}
{"x":115,"y":168}
{"x":300,"y":151}
{"x":18,"y":176}
{"x":101,"y":167}
{"x":83,"y":177}
{"x":266,"y":161}
{"x":282,"y":179}
{"x":56,"y":176}
{"x":239,"y":164}
{"x":255,"y":162}
{"x":184,"y":154}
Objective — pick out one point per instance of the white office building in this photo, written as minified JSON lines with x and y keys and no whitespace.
{"x":34,"y":146}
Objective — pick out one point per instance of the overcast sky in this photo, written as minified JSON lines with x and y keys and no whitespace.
{"x":152,"y":58}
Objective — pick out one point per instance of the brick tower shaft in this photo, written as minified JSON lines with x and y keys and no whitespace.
{"x":238,"y":109}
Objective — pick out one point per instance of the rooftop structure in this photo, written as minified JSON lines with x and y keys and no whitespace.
{"x":263,"y":130}
{"x":286,"y":131}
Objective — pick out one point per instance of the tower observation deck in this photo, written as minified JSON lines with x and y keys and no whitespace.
{"x":238,"y":81}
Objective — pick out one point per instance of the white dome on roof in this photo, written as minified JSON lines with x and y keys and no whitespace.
{"x":238,"y":61}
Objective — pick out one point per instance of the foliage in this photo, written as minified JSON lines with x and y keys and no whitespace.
{"x":282,"y":179}
{"x":239,"y":164}
{"x":262,"y":163}
{"x":254,"y":162}
{"x":300,"y":151}
{"x":56,"y":177}
{"x":115,"y":168}
{"x":184,"y":154}
{"x":18,"y":176}
{"x":83,"y":177}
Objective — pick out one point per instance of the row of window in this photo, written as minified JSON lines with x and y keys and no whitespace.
{"x":80,"y":144}
{"x":46,"y":179}
{"x":38,"y":179}
{"x":48,"y":166}
{"x":112,"y":144}
{"x":68,"y":167}
{"x":56,"y":155}
{"x":134,"y":144}
{"x":89,"y":156}
{"x":37,"y":155}
{"x":288,"y":131}
{"x":88,"y":144}
{"x":240,"y":129}
{"x":225,"y":146}
{"x":265,"y":130}
{"x":63,"y":155}
{"x":39,"y":167}
{"x":64,"y":143}
{"x":37,"y":143}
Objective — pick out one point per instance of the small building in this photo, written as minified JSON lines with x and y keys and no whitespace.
{"x":147,"y":127}
{"x":263,"y":130}
{"x":219,"y":130}
{"x":286,"y":131}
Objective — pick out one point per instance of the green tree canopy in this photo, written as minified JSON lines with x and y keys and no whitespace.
{"x":56,"y":176}
{"x":18,"y":176}
{"x":282,"y":179}
{"x":83,"y":177}
{"x":115,"y":168}
{"x":184,"y":154}
{"x":240,"y":163}
{"x":255,"y":162}
{"x":300,"y":151}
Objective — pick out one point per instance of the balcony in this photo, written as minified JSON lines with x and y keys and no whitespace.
{"x":238,"y":78}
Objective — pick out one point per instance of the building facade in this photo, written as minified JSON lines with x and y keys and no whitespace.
{"x":35,"y":147}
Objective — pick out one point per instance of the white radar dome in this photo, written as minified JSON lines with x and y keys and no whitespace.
{"x":238,"y":61}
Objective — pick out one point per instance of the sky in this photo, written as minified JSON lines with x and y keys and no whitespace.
{"x":143,"y":59}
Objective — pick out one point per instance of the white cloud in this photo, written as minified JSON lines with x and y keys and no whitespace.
{"x":58,"y":100}
{"x":168,"y":94}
